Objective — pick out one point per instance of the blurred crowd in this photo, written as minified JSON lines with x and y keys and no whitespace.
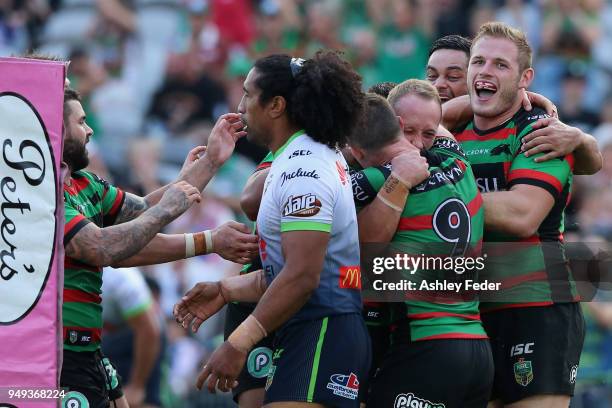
{"x":155,"y":74}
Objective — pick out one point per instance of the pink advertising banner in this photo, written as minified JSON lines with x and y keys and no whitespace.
{"x":31,"y":230}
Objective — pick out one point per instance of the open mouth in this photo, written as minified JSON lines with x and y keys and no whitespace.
{"x":485,"y":90}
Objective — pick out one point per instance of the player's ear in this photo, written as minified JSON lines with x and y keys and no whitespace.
{"x":400,"y":121}
{"x":358,"y":154}
{"x":526,"y":78}
{"x":277,"y":107}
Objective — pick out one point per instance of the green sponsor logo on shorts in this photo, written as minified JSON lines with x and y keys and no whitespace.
{"x":277,"y":354}
{"x":523,"y":372}
{"x":112,"y":374}
{"x":75,"y":399}
{"x":259,"y":362}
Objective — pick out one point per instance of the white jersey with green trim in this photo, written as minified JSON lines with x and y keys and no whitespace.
{"x":125,"y":294}
{"x":308,"y":188}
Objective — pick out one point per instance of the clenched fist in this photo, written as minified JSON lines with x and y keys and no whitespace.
{"x":410,"y":167}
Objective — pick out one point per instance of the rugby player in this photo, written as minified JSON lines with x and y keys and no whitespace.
{"x":447,"y":66}
{"x":431,"y":341}
{"x":447,"y":70}
{"x":537,"y":334}
{"x":302,"y":111}
{"x":105,"y":226}
{"x":249,"y":393}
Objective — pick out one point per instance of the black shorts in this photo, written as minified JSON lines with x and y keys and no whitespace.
{"x":449,"y":373}
{"x":259,"y":360}
{"x":90,"y":380}
{"x":536,"y":350}
{"x":321,"y":361}
{"x":377,"y":319}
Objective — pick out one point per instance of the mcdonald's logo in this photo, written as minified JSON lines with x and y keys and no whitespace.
{"x":350,"y":277}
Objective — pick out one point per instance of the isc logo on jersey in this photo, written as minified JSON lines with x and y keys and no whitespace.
{"x":305,"y":205}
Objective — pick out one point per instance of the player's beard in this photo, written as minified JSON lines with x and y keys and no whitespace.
{"x":75,"y":154}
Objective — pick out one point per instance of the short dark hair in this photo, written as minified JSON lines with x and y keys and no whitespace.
{"x":452,"y":42}
{"x":382,"y":88}
{"x":70,"y":95}
{"x":378,"y":126}
{"x":323,"y":97}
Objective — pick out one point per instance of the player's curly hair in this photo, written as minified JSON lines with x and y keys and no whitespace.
{"x":323,"y":95}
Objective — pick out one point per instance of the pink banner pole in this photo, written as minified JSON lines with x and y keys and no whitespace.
{"x":31,"y":231}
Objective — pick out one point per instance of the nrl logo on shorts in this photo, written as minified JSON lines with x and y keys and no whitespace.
{"x":305,"y":205}
{"x":73,"y":336}
{"x":523,"y":372}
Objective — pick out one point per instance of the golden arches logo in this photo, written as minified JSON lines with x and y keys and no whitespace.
{"x":350,"y":277}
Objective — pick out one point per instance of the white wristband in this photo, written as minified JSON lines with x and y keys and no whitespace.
{"x":209,"y":241}
{"x":390,"y":204}
{"x":189,"y":246}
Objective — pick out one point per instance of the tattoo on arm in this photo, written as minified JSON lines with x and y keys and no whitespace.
{"x":390,"y":184}
{"x":132,"y":207}
{"x":105,"y":246}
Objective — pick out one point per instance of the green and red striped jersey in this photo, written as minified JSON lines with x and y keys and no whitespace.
{"x":87,"y":199}
{"x":533,"y":271}
{"x":444,"y":212}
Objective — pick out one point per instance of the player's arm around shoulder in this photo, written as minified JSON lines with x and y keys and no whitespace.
{"x":556,"y":139}
{"x":381,"y":198}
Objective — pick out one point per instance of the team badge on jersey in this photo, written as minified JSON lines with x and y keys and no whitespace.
{"x":346,"y":386}
{"x":523,"y":372}
{"x":305,"y":205}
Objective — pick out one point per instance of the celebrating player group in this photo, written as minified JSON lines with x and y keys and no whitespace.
{"x":466,"y":159}
{"x":462,"y":163}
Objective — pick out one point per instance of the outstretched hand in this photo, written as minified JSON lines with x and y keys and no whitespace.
{"x":201,"y":302}
{"x":223,"y":138}
{"x":190,"y":160}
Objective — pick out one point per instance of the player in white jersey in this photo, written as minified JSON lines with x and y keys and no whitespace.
{"x":309,"y":288}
